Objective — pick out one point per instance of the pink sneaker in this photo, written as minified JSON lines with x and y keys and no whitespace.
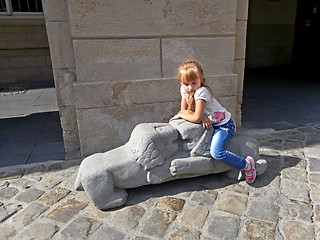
{"x":251,"y":174}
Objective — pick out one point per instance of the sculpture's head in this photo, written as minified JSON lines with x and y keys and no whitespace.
{"x":151,"y":143}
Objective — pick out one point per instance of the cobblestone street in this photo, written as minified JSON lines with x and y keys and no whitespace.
{"x":39,"y":202}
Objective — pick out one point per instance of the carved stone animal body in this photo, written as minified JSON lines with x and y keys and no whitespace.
{"x":156,"y":153}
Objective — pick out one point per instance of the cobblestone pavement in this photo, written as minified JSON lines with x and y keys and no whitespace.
{"x":39,"y":202}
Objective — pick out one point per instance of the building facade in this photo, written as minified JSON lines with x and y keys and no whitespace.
{"x":114,"y":62}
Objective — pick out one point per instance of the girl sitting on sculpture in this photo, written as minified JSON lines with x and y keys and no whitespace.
{"x":198,"y":105}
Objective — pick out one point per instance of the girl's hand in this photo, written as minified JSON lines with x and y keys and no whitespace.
{"x":206,"y":122}
{"x":177,"y":116}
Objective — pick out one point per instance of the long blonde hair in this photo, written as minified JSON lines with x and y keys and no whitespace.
{"x":190,"y":71}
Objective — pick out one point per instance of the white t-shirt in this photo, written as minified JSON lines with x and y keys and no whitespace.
{"x":216,"y":113}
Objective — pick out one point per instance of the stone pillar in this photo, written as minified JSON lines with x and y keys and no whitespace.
{"x":64,"y":70}
{"x":240,"y":51}
{"x":118,"y":61}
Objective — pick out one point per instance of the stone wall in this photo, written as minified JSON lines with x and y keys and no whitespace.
{"x":115,"y":62}
{"x":24,"y":51}
{"x":64,"y":70}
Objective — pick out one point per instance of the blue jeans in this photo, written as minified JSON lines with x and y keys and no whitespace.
{"x":220,"y":139}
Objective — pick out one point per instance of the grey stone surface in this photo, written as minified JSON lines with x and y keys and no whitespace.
{"x":158,"y":223}
{"x":194,"y":217}
{"x":110,"y":232}
{"x":222,"y":227}
{"x":219,"y":61}
{"x":65,"y":211}
{"x":54,"y":196}
{"x":188,"y":208}
{"x":149,"y":18}
{"x":207,"y":197}
{"x":8,"y":210}
{"x":185,"y":233}
{"x":39,"y":231}
{"x":155,"y":153}
{"x":28,"y":214}
{"x":107,"y":58}
{"x":264,"y":211}
{"x":80,"y":228}
{"x":8,"y":193}
{"x":127,"y":117}
{"x":29,"y":195}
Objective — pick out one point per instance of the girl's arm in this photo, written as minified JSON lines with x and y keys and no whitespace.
{"x":183,"y":107}
{"x":195,"y":117}
{"x":184,"y":104}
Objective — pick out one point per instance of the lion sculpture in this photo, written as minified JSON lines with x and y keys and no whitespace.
{"x":157,"y":153}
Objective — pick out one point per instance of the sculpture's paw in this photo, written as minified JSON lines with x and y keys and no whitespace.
{"x":173,"y":170}
{"x":118,"y":198}
{"x":179,"y":167}
{"x":155,"y":177}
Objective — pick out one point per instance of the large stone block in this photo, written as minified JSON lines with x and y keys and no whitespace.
{"x":69,"y":126}
{"x":240,"y":45}
{"x":125,"y":93}
{"x":215,"y":54}
{"x":242,"y":9}
{"x":60,"y":42}
{"x":114,"y":60}
{"x":64,"y":79}
{"x":223,"y":85}
{"x":102,"y":129}
{"x":239,"y":66}
{"x":122,"y":18}
{"x":55,"y":11}
{"x":109,"y":94}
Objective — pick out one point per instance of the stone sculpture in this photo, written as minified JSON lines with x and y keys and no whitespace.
{"x":156,"y":153}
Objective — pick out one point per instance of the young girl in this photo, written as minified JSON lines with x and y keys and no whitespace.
{"x":198,"y":105}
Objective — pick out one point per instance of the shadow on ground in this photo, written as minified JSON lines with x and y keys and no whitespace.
{"x":31,"y":139}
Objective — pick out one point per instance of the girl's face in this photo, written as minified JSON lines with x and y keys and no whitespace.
{"x":190,"y":87}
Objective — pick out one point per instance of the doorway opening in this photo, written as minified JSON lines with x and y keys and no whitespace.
{"x":30,"y":128}
{"x":281,"y":83}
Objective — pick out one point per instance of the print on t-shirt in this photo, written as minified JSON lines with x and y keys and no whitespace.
{"x":219,"y":116}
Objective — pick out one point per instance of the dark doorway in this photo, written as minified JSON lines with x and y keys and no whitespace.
{"x":280,"y":98}
{"x":306,"y":52}
{"x":282,"y":94}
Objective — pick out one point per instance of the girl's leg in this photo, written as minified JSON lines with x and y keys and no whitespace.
{"x":220,"y":139}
